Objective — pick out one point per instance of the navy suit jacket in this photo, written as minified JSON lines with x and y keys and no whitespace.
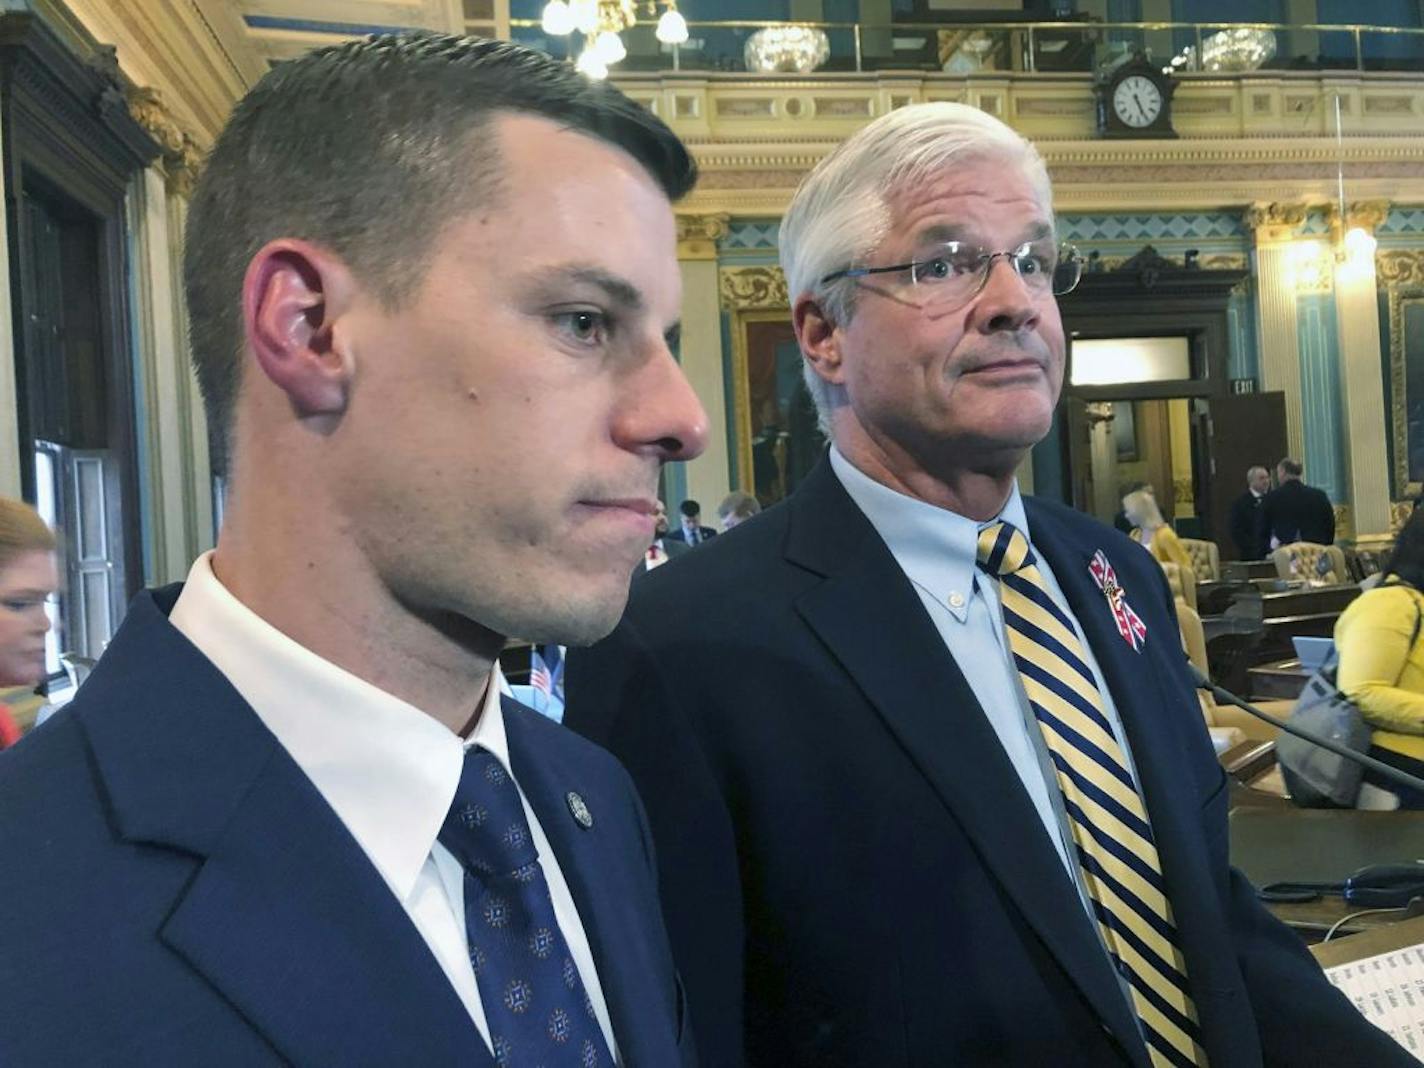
{"x":852,"y":872}
{"x":177,"y":891}
{"x":680,"y":535}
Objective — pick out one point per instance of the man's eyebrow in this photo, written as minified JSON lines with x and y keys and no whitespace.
{"x":939,"y":233}
{"x":619,"y":290}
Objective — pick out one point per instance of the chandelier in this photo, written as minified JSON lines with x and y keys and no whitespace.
{"x":1238,"y":50}
{"x":601,"y":23}
{"x":786,"y":49}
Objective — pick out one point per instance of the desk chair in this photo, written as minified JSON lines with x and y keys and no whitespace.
{"x":1184,"y":587}
{"x":1307,"y":555}
{"x":1206,"y":558}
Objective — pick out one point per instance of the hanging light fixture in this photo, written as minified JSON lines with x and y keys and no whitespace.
{"x":602,"y":22}
{"x":1358,"y":244}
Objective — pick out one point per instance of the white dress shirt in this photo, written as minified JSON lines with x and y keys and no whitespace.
{"x":937,"y":551}
{"x":388,"y":770}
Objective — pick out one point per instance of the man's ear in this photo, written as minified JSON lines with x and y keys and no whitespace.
{"x":819,"y":337}
{"x":292,"y":295}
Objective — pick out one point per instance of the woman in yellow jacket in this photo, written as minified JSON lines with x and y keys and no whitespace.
{"x":1381,"y":660}
{"x":1155,"y":534}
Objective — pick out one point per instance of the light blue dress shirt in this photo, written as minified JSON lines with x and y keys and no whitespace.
{"x":937,"y":551}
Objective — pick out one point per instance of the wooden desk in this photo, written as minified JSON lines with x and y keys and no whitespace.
{"x":1216,"y":596}
{"x":1245,"y":570}
{"x":1384,"y":937}
{"x":1278,"y":680}
{"x":1272,"y":841}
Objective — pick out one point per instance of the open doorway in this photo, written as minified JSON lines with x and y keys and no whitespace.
{"x":1136,"y":443}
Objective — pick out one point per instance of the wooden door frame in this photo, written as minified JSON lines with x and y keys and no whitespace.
{"x":67,"y":128}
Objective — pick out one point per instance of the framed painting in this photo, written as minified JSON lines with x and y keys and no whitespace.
{"x":774,"y":418}
{"x":1406,"y":361}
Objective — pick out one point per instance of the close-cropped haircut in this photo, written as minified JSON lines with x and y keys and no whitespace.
{"x":369,"y":149}
{"x":841,"y":212}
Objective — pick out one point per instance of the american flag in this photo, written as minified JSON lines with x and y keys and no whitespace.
{"x":546,"y":670}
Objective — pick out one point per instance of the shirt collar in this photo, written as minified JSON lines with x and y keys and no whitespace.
{"x":936,"y":548}
{"x":387,"y":769}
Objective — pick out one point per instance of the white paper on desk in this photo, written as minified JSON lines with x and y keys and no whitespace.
{"x":1389,"y":991}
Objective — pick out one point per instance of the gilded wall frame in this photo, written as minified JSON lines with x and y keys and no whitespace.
{"x":749,"y":295}
{"x":1406,"y":363}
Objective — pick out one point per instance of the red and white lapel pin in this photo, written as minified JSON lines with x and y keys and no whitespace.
{"x":1129,"y":623}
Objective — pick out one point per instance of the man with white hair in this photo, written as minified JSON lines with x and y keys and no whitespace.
{"x":927,"y":773}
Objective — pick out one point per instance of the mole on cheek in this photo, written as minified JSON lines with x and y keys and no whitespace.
{"x":473,"y":394}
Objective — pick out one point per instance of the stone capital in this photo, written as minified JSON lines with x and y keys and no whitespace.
{"x":697,"y":235}
{"x":1368,"y":215}
{"x":1275,"y":223}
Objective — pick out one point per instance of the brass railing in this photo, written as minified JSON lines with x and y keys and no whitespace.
{"x":1017,"y":47}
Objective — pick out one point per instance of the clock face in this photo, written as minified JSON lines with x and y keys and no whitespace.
{"x":1137,"y":101}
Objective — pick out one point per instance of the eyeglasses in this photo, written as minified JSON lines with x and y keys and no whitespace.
{"x":953,"y":273}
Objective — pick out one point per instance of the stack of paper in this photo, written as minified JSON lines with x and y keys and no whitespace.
{"x":1389,"y":991}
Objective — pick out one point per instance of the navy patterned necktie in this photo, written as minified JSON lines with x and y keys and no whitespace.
{"x":534,"y":999}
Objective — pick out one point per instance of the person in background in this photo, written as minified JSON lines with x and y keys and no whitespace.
{"x":1294,"y":511}
{"x":1120,"y":521}
{"x":1246,"y":514}
{"x":1380,"y":645}
{"x":1155,"y":534}
{"x":737,"y":507}
{"x":29,"y":577}
{"x":663,"y":547}
{"x":432,"y":290}
{"x":691,"y":531}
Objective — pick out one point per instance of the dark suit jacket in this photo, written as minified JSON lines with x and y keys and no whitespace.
{"x":1294,"y":511}
{"x":1246,"y":525}
{"x":852,"y":871}
{"x":680,"y":535}
{"x":177,"y":891}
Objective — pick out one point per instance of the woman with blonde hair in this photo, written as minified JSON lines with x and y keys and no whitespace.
{"x":1155,"y":533}
{"x":28,"y":578}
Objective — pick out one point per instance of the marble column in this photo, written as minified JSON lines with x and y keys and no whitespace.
{"x":708,"y":478}
{"x":1362,"y":379}
{"x":1275,"y":227}
{"x":11,"y":455}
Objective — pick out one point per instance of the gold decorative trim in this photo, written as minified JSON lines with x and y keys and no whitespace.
{"x":697,"y":235}
{"x":1399,"y":513}
{"x":1399,"y":295}
{"x":747,"y":288}
{"x":182,"y":158}
{"x":1400,"y":267}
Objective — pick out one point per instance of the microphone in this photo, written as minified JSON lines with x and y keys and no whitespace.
{"x":1380,"y":768}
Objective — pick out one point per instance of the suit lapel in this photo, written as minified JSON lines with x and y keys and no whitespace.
{"x":869,"y":617}
{"x":601,"y":864}
{"x":285,"y":917}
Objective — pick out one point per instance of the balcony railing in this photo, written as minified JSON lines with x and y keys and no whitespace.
{"x":969,"y":49}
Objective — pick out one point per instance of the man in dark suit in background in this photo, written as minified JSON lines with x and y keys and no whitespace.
{"x":926,"y":771}
{"x":1246,"y":514}
{"x":287,"y":819}
{"x":1294,"y":511}
{"x":690,"y":530}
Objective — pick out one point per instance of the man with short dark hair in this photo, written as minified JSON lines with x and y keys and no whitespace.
{"x":1246,"y":512}
{"x":690,"y":530}
{"x":288,"y":819}
{"x":1294,"y":511}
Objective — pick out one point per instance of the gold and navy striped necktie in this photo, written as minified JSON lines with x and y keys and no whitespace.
{"x":1111,"y":833}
